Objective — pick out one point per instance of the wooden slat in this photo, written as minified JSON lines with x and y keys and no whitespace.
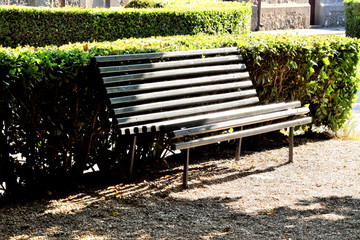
{"x":170,"y":64}
{"x":177,"y":83}
{"x":183,"y":102}
{"x":240,"y":134}
{"x":239,"y":122}
{"x":179,"y":92}
{"x":162,"y":55}
{"x":170,"y":125}
{"x":186,"y":111}
{"x":174,"y":73}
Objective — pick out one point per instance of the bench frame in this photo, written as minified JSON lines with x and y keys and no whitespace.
{"x":189,"y":94}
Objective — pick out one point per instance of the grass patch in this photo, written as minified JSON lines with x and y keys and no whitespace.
{"x":351,"y":128}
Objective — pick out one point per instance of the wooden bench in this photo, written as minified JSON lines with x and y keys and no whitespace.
{"x":191,"y":93}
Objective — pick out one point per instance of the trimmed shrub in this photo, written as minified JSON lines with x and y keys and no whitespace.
{"x":319,"y":71}
{"x":144,"y":4}
{"x":193,"y":4}
{"x":54,"y":113}
{"x":352,"y":18}
{"x":43,"y":26}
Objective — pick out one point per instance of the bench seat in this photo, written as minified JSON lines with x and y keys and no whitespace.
{"x":189,"y":94}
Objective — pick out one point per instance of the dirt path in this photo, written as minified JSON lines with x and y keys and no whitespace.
{"x":260,"y":196}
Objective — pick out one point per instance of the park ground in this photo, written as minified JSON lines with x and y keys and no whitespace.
{"x":261,"y":196}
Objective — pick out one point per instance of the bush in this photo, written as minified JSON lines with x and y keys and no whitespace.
{"x":316,"y":70}
{"x":39,"y":27}
{"x":51,"y":113}
{"x":352,"y":18}
{"x":173,"y":4}
{"x":53,"y":110}
{"x":144,"y":4}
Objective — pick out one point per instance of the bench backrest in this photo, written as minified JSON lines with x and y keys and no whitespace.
{"x":151,"y":91}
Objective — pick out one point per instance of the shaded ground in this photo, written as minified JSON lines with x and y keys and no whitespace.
{"x":261,"y":196}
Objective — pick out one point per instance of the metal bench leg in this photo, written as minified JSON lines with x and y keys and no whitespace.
{"x":186,"y":169}
{"x":132,"y":156}
{"x":238,"y":147}
{"x":291,"y":144}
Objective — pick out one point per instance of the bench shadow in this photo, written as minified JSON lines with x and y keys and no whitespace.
{"x":211,"y":160}
{"x":134,"y":210}
{"x":205,"y":163}
{"x":105,"y":216}
{"x":208,"y":166}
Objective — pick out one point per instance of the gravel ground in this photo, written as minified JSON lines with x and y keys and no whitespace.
{"x":261,"y":196}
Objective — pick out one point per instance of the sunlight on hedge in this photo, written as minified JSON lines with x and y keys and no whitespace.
{"x":351,"y":128}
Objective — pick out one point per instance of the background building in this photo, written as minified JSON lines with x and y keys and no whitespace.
{"x":297,"y":14}
{"x":274,"y":14}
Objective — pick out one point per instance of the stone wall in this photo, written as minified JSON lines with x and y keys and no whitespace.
{"x":56,"y":3}
{"x":275,"y":14}
{"x":291,"y":14}
{"x":281,"y":14}
{"x":330,"y":13}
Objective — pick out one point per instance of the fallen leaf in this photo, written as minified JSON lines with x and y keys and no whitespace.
{"x":115,"y":214}
{"x":270,"y":212}
{"x":227,"y":229}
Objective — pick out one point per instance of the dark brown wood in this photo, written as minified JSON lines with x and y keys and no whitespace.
{"x":173,"y":73}
{"x":259,"y":24}
{"x":183,"y":102}
{"x":312,"y":12}
{"x":172,"y":64}
{"x":179,"y":92}
{"x":238,"y":147}
{"x":238,"y":122}
{"x":162,"y":55}
{"x":132,"y":156}
{"x":245,"y":133}
{"x":291,"y":144}
{"x":192,"y":121}
{"x":186,"y":169}
{"x":158,"y":85}
{"x":185,"y":112}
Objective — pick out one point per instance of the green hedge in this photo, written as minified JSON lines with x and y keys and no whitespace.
{"x":172,"y":4}
{"x":53,"y":112}
{"x":319,"y":71}
{"x":42,"y":26}
{"x":145,"y":4}
{"x":352,"y":18}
